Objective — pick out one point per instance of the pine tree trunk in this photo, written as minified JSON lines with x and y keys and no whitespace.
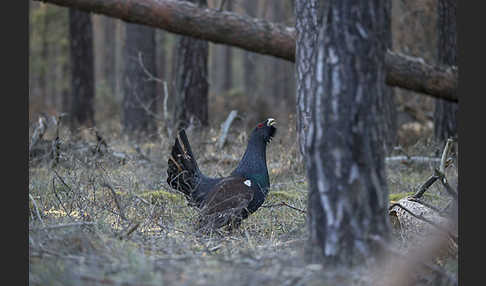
{"x":191,"y":81}
{"x":120,"y":35}
{"x":445,"y":115}
{"x":110,"y":55}
{"x":82,"y":68}
{"x":345,"y":162}
{"x":45,"y":58}
{"x":228,"y":59}
{"x":281,"y":76}
{"x":386,"y":103}
{"x":139,"y":90}
{"x":308,"y":21}
{"x":249,"y":58}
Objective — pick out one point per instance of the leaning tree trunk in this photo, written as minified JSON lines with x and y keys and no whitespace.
{"x":345,"y":164}
{"x":138,"y":84}
{"x":191,"y":81}
{"x":445,"y":115}
{"x":259,"y":36}
{"x":82,"y":68}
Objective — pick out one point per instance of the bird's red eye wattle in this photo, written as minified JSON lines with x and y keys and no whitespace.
{"x":260,"y":125}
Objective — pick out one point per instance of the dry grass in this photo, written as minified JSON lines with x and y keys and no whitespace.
{"x":107,"y":221}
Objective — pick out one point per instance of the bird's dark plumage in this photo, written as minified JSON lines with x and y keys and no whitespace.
{"x":225,"y":200}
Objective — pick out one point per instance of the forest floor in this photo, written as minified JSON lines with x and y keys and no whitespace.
{"x":105,"y":215}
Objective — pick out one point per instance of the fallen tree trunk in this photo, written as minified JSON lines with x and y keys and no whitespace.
{"x":414,"y":74}
{"x":259,"y":36}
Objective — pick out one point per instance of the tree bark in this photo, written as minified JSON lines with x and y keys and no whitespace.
{"x":386,"y":103}
{"x":82,"y":68}
{"x":138,"y":88}
{"x":258,"y":36}
{"x":308,"y":22}
{"x":445,"y":114}
{"x":345,"y":165}
{"x":280,"y":79}
{"x":110,"y":58}
{"x":411,"y":73}
{"x":191,"y":81}
{"x":44,"y":57}
{"x":228,"y":59}
{"x":249,"y":58}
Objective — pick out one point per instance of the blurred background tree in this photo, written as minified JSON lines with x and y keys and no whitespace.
{"x":445,"y":113}
{"x":256,"y":85}
{"x":81,"y":99}
{"x":139,"y":88}
{"x":191,"y":80}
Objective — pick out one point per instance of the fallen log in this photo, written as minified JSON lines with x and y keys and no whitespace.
{"x":259,"y":36}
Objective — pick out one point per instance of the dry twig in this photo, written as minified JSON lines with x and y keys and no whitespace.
{"x":285,"y":205}
{"x":117,"y":201}
{"x":36,"y":210}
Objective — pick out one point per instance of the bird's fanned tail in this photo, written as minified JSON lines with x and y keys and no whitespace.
{"x":183,"y":172}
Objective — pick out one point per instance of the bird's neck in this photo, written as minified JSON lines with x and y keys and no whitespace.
{"x":254,"y":163}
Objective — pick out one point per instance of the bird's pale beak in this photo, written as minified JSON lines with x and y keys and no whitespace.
{"x":271,"y":122}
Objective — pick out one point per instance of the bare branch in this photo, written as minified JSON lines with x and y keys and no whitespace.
{"x":225,"y":128}
{"x":36,"y":210}
{"x":151,"y":77}
{"x":68,"y":213}
{"x":166,"y":112}
{"x":115,"y":198}
{"x":411,"y":159}
{"x":443,"y":160}
{"x":446,"y":185}
{"x":425,"y":186}
{"x":285,"y":205}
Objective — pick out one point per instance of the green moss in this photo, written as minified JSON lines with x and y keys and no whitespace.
{"x":401,"y":195}
{"x":162,"y":197}
{"x":284,"y":195}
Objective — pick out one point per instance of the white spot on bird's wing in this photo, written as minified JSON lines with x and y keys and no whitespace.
{"x":247,"y":182}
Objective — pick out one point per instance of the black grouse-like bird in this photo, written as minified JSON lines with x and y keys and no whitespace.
{"x":225,"y":200}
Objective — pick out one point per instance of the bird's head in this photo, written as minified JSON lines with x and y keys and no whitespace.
{"x":266,"y":129}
